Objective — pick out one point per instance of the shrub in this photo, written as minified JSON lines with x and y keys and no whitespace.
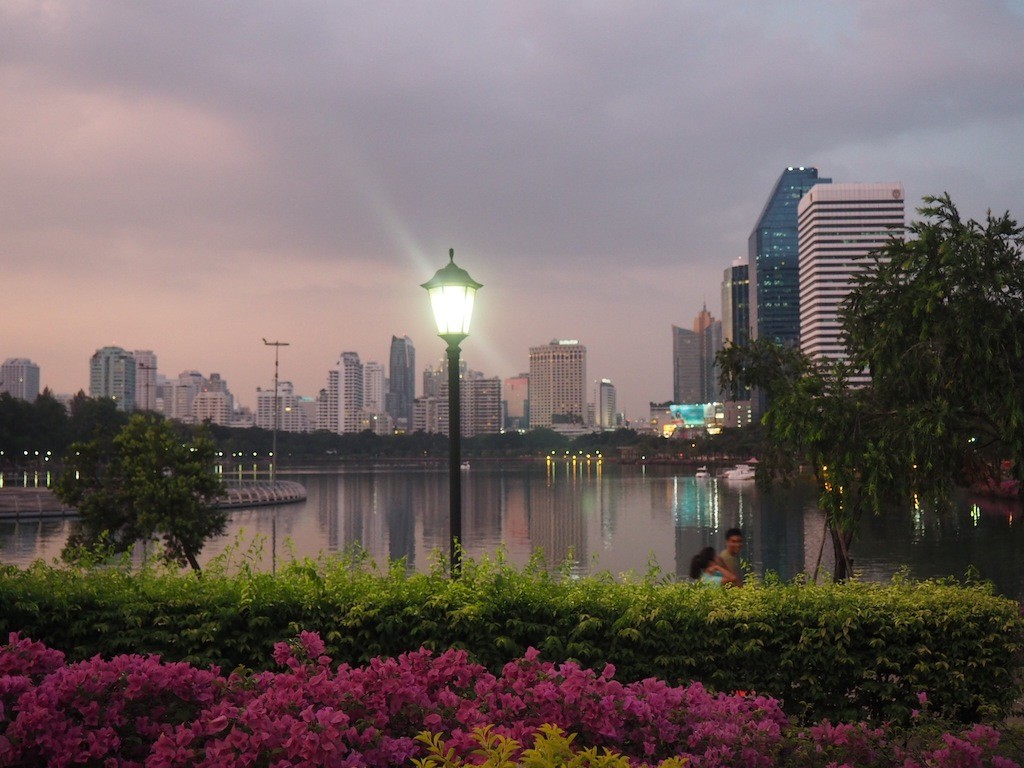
{"x":845,"y":652}
{"x":434,"y":710}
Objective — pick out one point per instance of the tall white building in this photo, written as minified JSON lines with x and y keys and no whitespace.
{"x":340,"y":408}
{"x":350,"y":395}
{"x":374,"y":387}
{"x":19,"y":377}
{"x":292,"y":414}
{"x":213,"y":406}
{"x":180,"y":393}
{"x":604,"y":400}
{"x":558,"y":383}
{"x":839,"y":225}
{"x":145,"y":379}
{"x":480,"y":410}
{"x":112,"y":374}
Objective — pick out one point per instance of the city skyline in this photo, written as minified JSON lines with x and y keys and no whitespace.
{"x":193,"y":179}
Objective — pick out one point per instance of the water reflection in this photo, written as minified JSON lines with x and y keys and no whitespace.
{"x":599,"y":517}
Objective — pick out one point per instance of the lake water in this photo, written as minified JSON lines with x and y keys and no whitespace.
{"x":604,"y":517}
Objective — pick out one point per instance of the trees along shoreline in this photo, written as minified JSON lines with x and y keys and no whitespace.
{"x":145,"y":484}
{"x":937,"y":320}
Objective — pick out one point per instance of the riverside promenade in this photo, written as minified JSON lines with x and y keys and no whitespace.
{"x":17,"y":503}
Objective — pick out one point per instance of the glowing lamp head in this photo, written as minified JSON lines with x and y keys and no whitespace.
{"x":452,"y":292}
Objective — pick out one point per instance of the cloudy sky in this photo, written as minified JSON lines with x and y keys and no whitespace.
{"x":190,"y":177}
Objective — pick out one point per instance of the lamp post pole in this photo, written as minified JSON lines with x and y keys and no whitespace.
{"x":277,"y":405}
{"x":452,"y":292}
{"x":454,"y":456}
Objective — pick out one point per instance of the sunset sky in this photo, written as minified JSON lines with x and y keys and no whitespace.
{"x":190,"y":177}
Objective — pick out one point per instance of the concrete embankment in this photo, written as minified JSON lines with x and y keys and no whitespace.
{"x":28,"y":503}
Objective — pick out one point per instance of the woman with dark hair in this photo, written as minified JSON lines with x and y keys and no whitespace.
{"x":703,"y":568}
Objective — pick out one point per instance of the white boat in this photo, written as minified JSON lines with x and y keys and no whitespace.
{"x":740,"y":472}
{"x":464,"y":465}
{"x":702,"y":474}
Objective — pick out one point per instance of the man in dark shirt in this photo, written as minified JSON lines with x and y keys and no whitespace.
{"x":729,"y":557}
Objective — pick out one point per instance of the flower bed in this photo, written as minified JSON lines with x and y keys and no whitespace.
{"x":132,"y":710}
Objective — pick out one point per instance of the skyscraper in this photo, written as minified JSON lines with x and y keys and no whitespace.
{"x":558,"y":383}
{"x":145,"y":379}
{"x":112,"y":374}
{"x":401,"y":382}
{"x":736,"y":303}
{"x":339,"y":406}
{"x":736,"y":313}
{"x":772,"y":258}
{"x":710,"y":344}
{"x":604,"y":398}
{"x":694,"y":373}
{"x":350,"y":392}
{"x":686,"y":375}
{"x":19,"y":377}
{"x":840,"y":224}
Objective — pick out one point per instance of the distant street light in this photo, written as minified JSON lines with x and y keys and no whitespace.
{"x":452,"y":292}
{"x":277,"y":406}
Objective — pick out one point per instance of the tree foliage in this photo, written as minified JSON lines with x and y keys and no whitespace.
{"x":146,"y":484}
{"x":937,"y":319}
{"x":939,"y":322}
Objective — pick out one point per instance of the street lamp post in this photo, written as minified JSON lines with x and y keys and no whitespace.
{"x":452,"y":292}
{"x":277,"y":406}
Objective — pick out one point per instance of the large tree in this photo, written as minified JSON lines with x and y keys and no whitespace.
{"x":939,"y":322}
{"x":147,"y":484}
{"x":937,"y":319}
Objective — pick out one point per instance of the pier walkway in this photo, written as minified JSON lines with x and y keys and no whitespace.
{"x":17,"y":503}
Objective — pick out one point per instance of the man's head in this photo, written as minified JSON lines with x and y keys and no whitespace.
{"x":733,"y":541}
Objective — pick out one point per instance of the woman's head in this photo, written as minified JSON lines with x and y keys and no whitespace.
{"x":700,"y":561}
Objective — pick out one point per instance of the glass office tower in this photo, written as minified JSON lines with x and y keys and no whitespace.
{"x":773,"y":268}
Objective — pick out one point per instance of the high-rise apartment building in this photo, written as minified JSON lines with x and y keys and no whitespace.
{"x":327,"y":404}
{"x":180,"y":394}
{"x":480,"y":405}
{"x":401,"y":382}
{"x":292,"y":415}
{"x":340,"y":404}
{"x":112,"y":374}
{"x":350,"y":392}
{"x":772,"y":258}
{"x":213,"y":407}
{"x":516,"y":393}
{"x":840,"y":224}
{"x":145,"y":380}
{"x":558,"y":383}
{"x":373,"y":387}
{"x":214,"y":402}
{"x":434,"y":377}
{"x":19,"y":377}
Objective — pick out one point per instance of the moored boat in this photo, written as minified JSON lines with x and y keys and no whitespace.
{"x":740,"y":472}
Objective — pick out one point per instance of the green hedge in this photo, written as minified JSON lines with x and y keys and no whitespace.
{"x":844,"y":652}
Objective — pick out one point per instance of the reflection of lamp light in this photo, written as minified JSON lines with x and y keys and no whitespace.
{"x":452,"y":292}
